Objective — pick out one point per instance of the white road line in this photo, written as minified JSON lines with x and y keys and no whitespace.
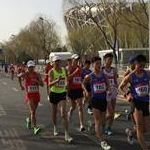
{"x":16,"y":90}
{"x":7,"y":75}
{"x":11,"y":140}
{"x":40,"y":104}
{"x":2,"y":111}
{"x":4,"y":83}
{"x":91,"y":137}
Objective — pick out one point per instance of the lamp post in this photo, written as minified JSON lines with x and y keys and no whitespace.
{"x":43,"y":40}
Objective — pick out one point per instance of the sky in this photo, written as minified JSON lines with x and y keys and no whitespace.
{"x":16,"y":14}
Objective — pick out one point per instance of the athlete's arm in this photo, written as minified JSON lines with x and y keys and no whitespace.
{"x":20,"y":75}
{"x":126,"y":73}
{"x":115,"y":77}
{"x":87,"y":78}
{"x":124,"y":82}
{"x":52,"y":82}
{"x":20,"y":81}
{"x":40,"y":82}
{"x":45,"y":71}
{"x":148,"y":72}
{"x":66,"y":79}
{"x":107,"y":84}
{"x":70,"y":75}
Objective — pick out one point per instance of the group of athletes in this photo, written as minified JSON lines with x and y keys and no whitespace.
{"x":12,"y":69}
{"x":95,"y":83}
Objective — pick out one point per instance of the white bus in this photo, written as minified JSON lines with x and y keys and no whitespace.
{"x":126,"y":53}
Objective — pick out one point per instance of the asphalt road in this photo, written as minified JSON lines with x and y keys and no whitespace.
{"x":14,"y":135}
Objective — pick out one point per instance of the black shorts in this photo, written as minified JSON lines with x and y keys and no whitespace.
{"x":55,"y":98}
{"x":132,"y":107}
{"x":141,"y":106}
{"x":75,"y":94}
{"x":99,"y":104}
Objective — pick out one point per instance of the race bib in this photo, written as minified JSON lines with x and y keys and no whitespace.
{"x":111,"y":82}
{"x":61,"y":83}
{"x":77,"y":80}
{"x":33,"y":89}
{"x":99,"y":88}
{"x":142,"y":90}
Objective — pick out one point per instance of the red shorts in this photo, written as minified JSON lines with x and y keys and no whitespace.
{"x":32,"y":96}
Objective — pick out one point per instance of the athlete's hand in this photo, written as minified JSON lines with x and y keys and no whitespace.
{"x":77,"y":69}
{"x":109,"y":92}
{"x":58,"y":79}
{"x":129,"y":97}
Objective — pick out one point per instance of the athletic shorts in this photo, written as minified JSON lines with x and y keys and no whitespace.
{"x":99,"y":104}
{"x":75,"y":94}
{"x":113,"y":95}
{"x":55,"y":98}
{"x":32,"y":96}
{"x":141,"y":106}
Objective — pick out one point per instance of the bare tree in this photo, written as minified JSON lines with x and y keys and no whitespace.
{"x":37,"y":40}
{"x":104,"y":15}
{"x":137,"y":14}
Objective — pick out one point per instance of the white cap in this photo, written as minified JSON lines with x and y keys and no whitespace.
{"x":47,"y":61}
{"x":55,"y":58}
{"x":30,"y":63}
{"x":75,"y":56}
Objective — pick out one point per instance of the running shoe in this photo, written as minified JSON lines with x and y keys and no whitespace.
{"x":28,"y":123}
{"x":89,"y":111}
{"x":55,"y":131}
{"x":82,"y":128}
{"x":105,"y":145}
{"x":129,"y":136}
{"x":89,"y":124}
{"x":109,"y":131}
{"x":68,"y":138}
{"x":36,"y":130}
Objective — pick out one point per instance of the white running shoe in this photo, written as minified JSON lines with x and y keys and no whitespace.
{"x":90,"y":124}
{"x":82,"y":128}
{"x":55,"y":131}
{"x":105,"y":146}
{"x":129,"y":136}
{"x":109,"y":132}
{"x":68,"y":138}
{"x":89,"y":111}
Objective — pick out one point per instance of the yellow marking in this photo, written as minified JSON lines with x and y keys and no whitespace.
{"x":117,"y":115}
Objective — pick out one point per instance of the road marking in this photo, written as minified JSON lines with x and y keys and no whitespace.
{"x":40,"y":104}
{"x":2,"y":111}
{"x":7,"y":75}
{"x":117,"y":115}
{"x":92,"y":138}
{"x":16,"y":90}
{"x":4,"y":83}
{"x":11,"y":140}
